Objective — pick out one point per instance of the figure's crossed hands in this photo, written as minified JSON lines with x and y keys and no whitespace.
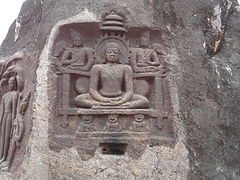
{"x":116,"y":99}
{"x":112,"y":102}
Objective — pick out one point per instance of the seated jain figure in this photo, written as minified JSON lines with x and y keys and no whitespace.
{"x":111,"y":84}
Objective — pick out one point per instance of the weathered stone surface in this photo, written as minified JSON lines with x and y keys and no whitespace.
{"x":155,"y":163}
{"x":204,"y":51}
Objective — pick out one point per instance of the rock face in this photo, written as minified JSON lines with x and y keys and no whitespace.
{"x":192,"y":135}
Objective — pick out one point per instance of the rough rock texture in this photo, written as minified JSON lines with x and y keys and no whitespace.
{"x":204,"y":84}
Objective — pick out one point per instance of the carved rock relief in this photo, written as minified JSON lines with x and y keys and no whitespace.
{"x":12,"y":108}
{"x":112,"y":85}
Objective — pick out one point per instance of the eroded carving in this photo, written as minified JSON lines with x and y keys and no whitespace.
{"x":12,"y":109}
{"x":111,"y":84}
{"x":112,"y":124}
{"x":140,"y":124}
{"x":87,"y":124}
{"x":76,"y":56}
{"x":8,"y":114}
{"x":17,"y":130}
{"x":123,"y":92}
{"x":145,"y":58}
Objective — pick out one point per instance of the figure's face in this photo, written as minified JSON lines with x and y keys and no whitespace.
{"x":77,"y":41}
{"x":144,"y":41}
{"x":12,"y":83}
{"x":113,"y":54}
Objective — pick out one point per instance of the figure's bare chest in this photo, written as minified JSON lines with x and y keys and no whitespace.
{"x":112,"y":73}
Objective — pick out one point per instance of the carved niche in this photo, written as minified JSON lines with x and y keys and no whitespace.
{"x":14,"y":102}
{"x":112,"y":87}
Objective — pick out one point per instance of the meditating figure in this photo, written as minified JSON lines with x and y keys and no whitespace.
{"x":111,"y":84}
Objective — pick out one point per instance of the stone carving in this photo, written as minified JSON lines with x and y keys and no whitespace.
{"x":139,"y":124}
{"x":17,"y":131}
{"x":111,"y":77}
{"x":116,"y":90}
{"x":8,"y":115}
{"x":12,"y":109}
{"x":145,"y":57}
{"x":86,"y":125}
{"x":112,"y":124}
{"x":75,"y":57}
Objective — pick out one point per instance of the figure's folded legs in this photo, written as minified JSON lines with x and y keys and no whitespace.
{"x":85,"y":101}
{"x":137,"y":102}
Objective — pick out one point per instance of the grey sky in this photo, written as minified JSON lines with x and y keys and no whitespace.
{"x":9,"y":10}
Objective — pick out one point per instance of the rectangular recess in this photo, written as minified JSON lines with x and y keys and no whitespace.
{"x":113,"y":148}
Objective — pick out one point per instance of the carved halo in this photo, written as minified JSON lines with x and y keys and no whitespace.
{"x":112,"y":37}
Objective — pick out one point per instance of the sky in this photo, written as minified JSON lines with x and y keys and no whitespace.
{"x":9,"y":10}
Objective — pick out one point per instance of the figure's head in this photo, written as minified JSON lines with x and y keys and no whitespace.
{"x":76,"y":38}
{"x":112,"y":52}
{"x":12,"y":83}
{"x":145,"y":39}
